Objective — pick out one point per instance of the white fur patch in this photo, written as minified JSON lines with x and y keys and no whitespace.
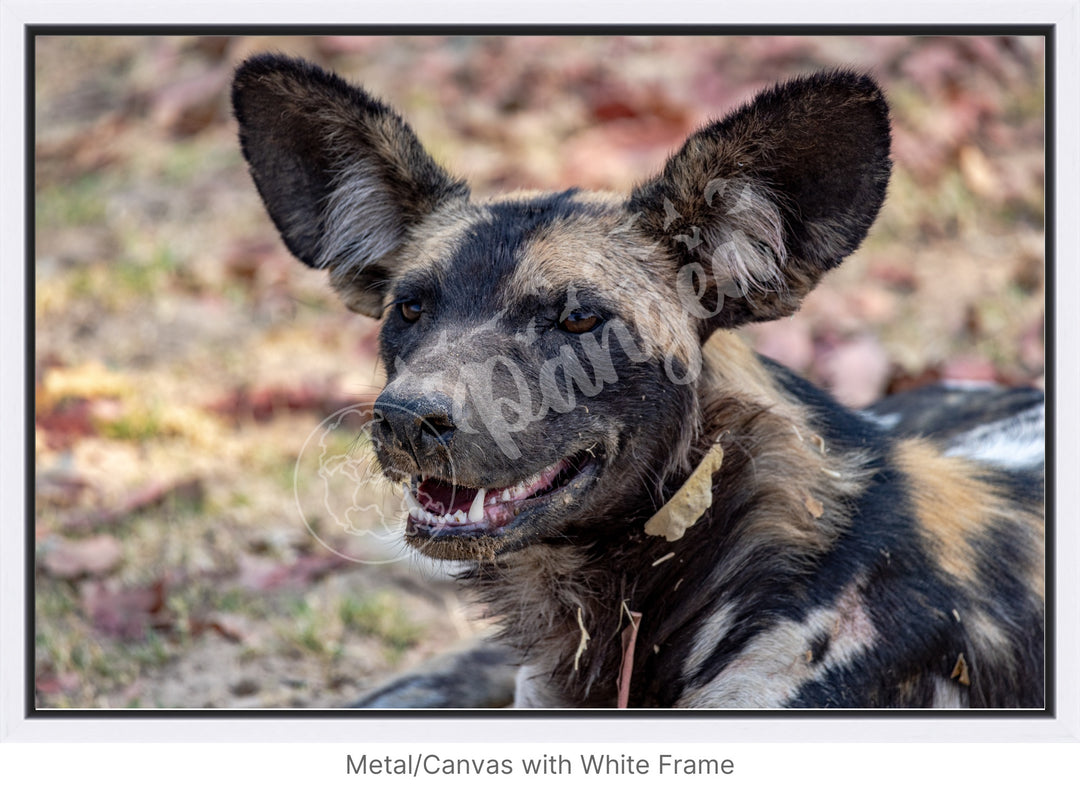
{"x":947,"y":694}
{"x":1016,"y":443}
{"x":708,"y":637}
{"x":777,"y":663}
{"x":886,"y":421}
{"x":532,"y":689}
{"x":973,"y":385}
{"x":362,"y":222}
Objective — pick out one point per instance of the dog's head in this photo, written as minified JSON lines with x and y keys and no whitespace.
{"x":543,"y":350}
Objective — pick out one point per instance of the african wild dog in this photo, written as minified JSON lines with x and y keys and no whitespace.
{"x":560,"y":365}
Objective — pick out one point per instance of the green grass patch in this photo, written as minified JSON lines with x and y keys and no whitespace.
{"x":71,"y":204}
{"x":138,"y":425}
{"x":380,"y":615}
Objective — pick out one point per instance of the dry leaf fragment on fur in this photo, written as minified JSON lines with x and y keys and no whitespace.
{"x":629,"y":641}
{"x":584,"y":643}
{"x":816,"y":508}
{"x":960,"y":671}
{"x":689,"y":502}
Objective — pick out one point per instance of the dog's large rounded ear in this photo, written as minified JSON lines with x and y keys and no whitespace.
{"x":342,"y":176}
{"x":756,"y":207}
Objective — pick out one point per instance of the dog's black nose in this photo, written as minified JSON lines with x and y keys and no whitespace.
{"x":419,"y":424}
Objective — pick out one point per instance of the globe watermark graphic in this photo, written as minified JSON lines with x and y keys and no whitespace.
{"x":342,"y":494}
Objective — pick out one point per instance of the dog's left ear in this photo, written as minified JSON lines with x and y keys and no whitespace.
{"x":756,"y":207}
{"x":341,"y":174}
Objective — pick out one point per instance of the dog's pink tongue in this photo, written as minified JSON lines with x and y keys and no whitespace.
{"x":442,"y":498}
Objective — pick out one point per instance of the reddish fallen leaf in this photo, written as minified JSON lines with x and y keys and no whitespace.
{"x":604,"y":155}
{"x":856,"y":371}
{"x":66,"y":422}
{"x":901,"y":381}
{"x":254,"y":261}
{"x":154,"y":494}
{"x":259,"y":575}
{"x":932,"y":65}
{"x":55,"y":684}
{"x":1033,"y":346}
{"x":188,"y":106}
{"x":231,"y":626}
{"x":873,"y":305}
{"x":264,"y":403}
{"x":895,"y":274}
{"x":127,"y":612}
{"x":788,"y":341}
{"x":974,"y":369}
{"x":60,"y":488}
{"x":91,"y":149}
{"x":94,"y":556}
{"x":145,"y":497}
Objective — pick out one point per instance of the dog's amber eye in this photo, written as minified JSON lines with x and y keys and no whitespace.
{"x":410,"y":310}
{"x":579,"y":321}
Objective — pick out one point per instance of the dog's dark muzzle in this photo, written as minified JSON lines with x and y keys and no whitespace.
{"x":419,"y":426}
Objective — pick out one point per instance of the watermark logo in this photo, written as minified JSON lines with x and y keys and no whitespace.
{"x":344,"y":498}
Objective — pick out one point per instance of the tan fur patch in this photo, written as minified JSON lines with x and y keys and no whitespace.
{"x":952,"y":506}
{"x":599,"y":250}
{"x":733,"y":368}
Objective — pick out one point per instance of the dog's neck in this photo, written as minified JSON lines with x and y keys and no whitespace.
{"x":780,"y":499}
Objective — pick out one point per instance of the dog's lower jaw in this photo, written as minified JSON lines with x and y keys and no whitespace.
{"x":502,"y":528}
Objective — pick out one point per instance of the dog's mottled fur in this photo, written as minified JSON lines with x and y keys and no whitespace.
{"x":580,"y":345}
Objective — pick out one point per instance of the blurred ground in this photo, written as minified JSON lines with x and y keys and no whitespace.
{"x":183,"y":360}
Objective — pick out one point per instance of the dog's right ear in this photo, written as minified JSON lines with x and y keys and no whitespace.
{"x":758,"y":206}
{"x":342,"y":176}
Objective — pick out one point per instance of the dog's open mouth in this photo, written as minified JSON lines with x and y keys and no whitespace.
{"x":441,"y":509}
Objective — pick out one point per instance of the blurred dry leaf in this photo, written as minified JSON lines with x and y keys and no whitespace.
{"x":151,"y":495}
{"x":855,"y":371}
{"x":978,"y":172}
{"x":93,"y":556}
{"x":895,"y":274}
{"x":788,"y":341}
{"x":262,"y":404}
{"x":971,"y":368}
{"x":230,"y":626}
{"x":52,"y":683}
{"x":126,"y":612}
{"x":87,"y":380}
{"x":89,"y":150}
{"x":61,"y":488}
{"x":259,"y":574}
{"x":65,"y":422}
{"x":189,"y":106}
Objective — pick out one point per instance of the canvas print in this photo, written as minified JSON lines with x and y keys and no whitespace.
{"x":573,"y":372}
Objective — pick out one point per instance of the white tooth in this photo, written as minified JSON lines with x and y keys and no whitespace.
{"x":476,"y":510}
{"x":459,"y":516}
{"x":505,"y":495}
{"x":428,"y":517}
{"x":411,"y":502}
